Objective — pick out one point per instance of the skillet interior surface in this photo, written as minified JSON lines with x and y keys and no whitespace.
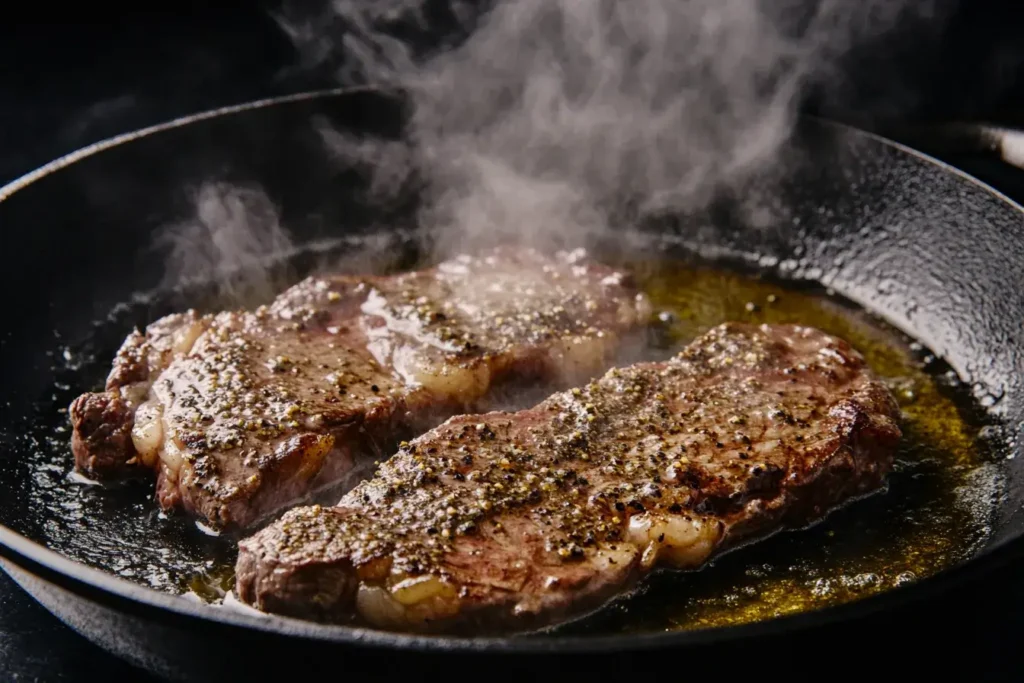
{"x":935,"y":253}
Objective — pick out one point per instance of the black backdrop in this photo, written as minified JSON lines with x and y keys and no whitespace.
{"x":70,"y":77}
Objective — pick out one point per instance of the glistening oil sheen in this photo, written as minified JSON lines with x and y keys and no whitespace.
{"x":934,"y":514}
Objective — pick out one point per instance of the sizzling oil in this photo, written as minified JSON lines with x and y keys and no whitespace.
{"x":931,"y":516}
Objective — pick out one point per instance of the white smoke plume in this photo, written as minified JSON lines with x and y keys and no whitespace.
{"x":543,"y":119}
{"x":228,"y":244}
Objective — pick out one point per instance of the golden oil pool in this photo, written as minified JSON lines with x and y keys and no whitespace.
{"x":935,"y":513}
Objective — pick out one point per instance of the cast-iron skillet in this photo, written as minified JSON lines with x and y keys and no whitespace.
{"x":933,"y":251}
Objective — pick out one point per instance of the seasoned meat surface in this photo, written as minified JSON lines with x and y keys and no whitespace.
{"x":243,"y":412}
{"x":511,"y":521}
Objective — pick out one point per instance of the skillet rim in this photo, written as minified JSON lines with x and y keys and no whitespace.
{"x":117,"y":593}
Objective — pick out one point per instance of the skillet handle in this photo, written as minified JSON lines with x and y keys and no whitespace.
{"x":991,"y":153}
{"x":954,"y":139}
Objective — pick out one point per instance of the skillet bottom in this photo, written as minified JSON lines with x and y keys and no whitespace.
{"x":900,"y":640}
{"x":930,"y":250}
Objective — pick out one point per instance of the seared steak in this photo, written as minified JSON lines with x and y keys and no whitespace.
{"x":241,"y":413}
{"x":516,"y":520}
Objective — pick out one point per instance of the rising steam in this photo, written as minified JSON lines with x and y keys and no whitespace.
{"x":552,"y":117}
{"x":228,"y":242}
{"x":552,"y":122}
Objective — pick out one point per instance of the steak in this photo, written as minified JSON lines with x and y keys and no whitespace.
{"x":243,"y":412}
{"x":513,"y":521}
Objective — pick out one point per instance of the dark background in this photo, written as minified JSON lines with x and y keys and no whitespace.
{"x":68,"y":77}
{"x":71,"y":77}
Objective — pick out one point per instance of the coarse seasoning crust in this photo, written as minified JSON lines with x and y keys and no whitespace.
{"x":517,"y":520}
{"x":243,"y":412}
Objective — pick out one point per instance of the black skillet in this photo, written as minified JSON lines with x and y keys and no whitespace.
{"x":933,"y":251}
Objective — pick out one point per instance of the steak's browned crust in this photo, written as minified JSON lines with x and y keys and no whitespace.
{"x":516,"y":520}
{"x":244,"y":412}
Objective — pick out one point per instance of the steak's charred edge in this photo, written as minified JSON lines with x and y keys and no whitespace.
{"x":102,"y":421}
{"x":859,"y":458}
{"x":334,"y":587}
{"x":102,"y":436}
